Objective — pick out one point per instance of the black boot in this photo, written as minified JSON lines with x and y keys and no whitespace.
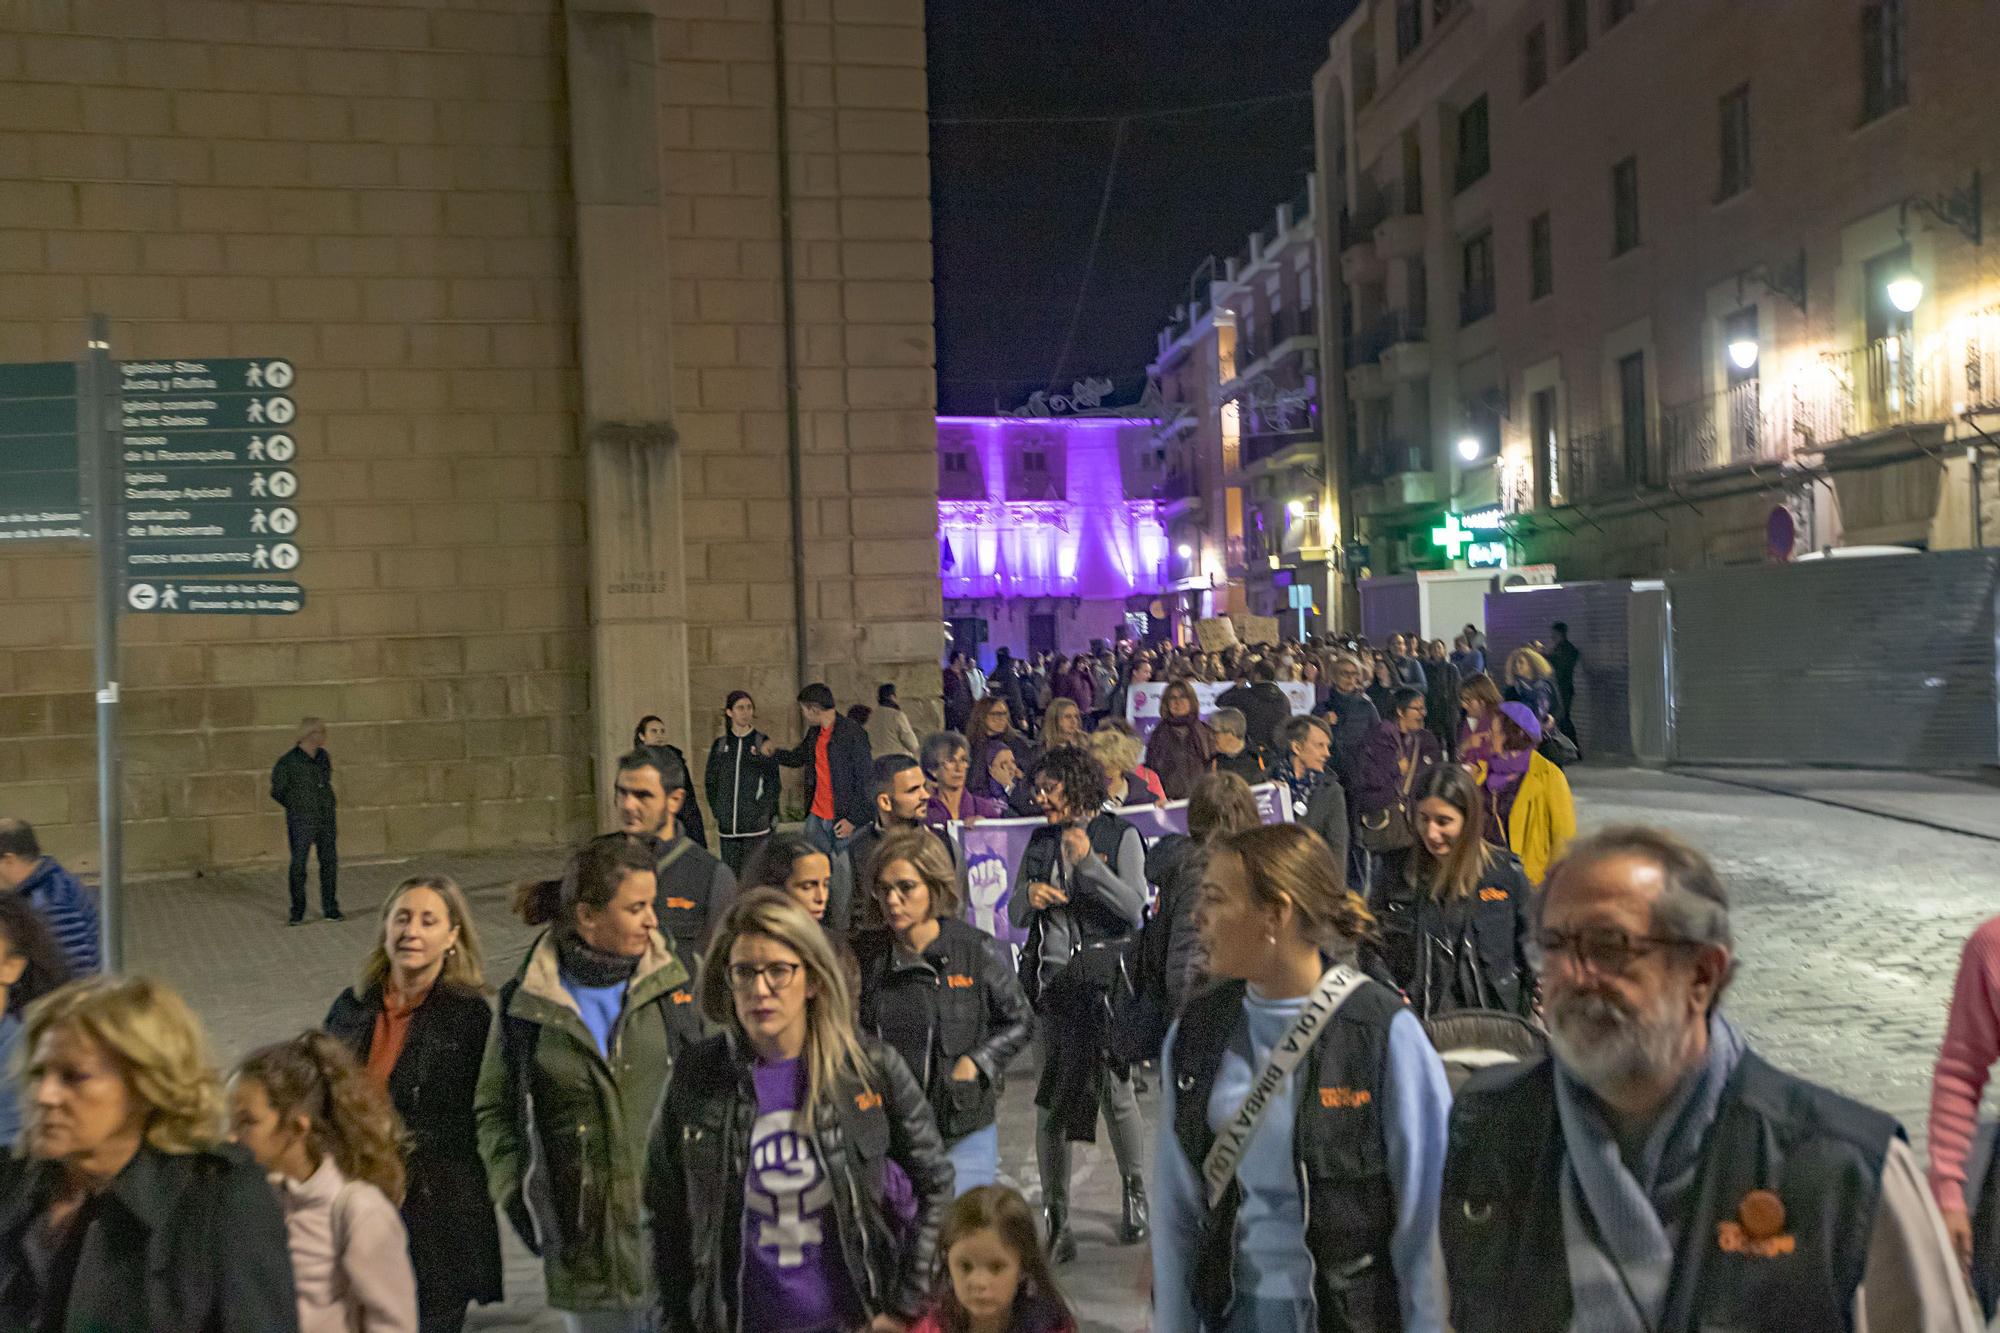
{"x":1062,"y":1244}
{"x":1132,"y":1226}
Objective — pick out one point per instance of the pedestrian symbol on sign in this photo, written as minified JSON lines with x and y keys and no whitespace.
{"x":256,"y":449}
{"x":170,"y":598}
{"x":142,"y":596}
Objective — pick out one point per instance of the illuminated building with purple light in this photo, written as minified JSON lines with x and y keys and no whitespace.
{"x":1049,"y":534}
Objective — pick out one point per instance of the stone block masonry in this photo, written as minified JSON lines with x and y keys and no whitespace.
{"x":395,"y":197}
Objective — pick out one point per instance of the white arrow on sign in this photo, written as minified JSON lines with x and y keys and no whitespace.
{"x":284,"y":521}
{"x":278,"y":374}
{"x":284,"y":556}
{"x":278,"y":411}
{"x":280,"y":448}
{"x":283,"y":485}
{"x":142,"y":596}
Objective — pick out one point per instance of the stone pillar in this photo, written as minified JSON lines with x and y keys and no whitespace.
{"x":637,"y":590}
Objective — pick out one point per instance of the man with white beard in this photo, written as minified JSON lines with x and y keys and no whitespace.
{"x":1654,"y":1175}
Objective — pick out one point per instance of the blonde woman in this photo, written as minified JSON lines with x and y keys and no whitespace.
{"x":1328,"y":1216}
{"x":124,"y":1211}
{"x":1116,"y":750}
{"x":417,"y":1020}
{"x":765,"y":1176}
{"x":1529,"y":681}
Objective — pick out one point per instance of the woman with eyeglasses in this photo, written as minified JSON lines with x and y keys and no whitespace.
{"x":943,"y":993}
{"x":947,"y":762}
{"x":1454,"y":909}
{"x":589,"y":1029}
{"x":765,"y":1175}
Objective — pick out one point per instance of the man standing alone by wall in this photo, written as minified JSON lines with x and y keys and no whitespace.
{"x":302,"y":782}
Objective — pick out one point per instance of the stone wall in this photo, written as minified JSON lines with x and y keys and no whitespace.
{"x":382,"y":194}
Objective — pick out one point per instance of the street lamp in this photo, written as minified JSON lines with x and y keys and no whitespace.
{"x":1743,"y":352}
{"x":1906,"y":291}
{"x":1468,"y":447}
{"x":1184,"y":551}
{"x":1297,"y":509}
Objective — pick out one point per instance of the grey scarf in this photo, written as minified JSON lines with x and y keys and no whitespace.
{"x":1624,"y":1210}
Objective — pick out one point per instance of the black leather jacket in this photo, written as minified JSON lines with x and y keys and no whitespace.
{"x":963,"y":991}
{"x":700,"y":1151}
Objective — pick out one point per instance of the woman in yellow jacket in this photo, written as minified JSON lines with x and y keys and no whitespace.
{"x":1529,"y":807}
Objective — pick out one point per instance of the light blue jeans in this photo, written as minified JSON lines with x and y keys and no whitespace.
{"x":976,"y":1158}
{"x":612,"y":1321}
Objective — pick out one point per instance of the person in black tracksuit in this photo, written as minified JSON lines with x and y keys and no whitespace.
{"x":1454,"y":912}
{"x":943,"y":994}
{"x":694,"y":888}
{"x":742,"y":783}
{"x":302,"y":782}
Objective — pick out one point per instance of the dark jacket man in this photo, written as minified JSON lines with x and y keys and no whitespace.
{"x":191,"y":1242}
{"x":1264,"y":706}
{"x":302,"y":782}
{"x":848,"y":758}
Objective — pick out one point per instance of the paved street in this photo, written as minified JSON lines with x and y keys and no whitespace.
{"x":1848,"y":922}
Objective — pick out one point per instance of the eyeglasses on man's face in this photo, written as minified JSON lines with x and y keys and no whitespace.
{"x":1602,"y":949}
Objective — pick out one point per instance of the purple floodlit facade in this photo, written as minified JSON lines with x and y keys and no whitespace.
{"x":1048,"y":529}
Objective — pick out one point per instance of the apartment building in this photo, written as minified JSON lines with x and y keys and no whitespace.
{"x":1248,"y":511}
{"x":1665,"y":285}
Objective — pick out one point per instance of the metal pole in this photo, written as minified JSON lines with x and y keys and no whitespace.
{"x":788,"y":292}
{"x":1978,"y":518}
{"x":97,"y":422}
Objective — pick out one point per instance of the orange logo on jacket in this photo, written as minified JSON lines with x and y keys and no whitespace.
{"x":1493,"y":895}
{"x":958,"y":983}
{"x":867,"y":1101}
{"x":1731,"y":1238}
{"x":682,"y":997}
{"x":1345,"y":1099}
{"x":680,"y":904}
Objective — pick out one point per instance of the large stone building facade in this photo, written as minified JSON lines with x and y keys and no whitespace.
{"x":529,"y":261}
{"x":1639,"y":273}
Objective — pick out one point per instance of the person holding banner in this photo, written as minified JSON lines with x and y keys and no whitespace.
{"x":1279,"y":1209}
{"x":1318,"y":800}
{"x":947,"y":762}
{"x":1080,"y":886}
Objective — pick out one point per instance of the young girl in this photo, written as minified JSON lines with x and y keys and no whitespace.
{"x":328,"y":1136}
{"x":997,"y":1278}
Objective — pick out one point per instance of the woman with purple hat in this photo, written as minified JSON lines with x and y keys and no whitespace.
{"x":1530,"y":811}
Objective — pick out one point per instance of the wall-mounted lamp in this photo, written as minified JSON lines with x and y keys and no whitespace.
{"x":1297,"y":509}
{"x":1468,"y":447}
{"x":1906,"y":291}
{"x":1184,"y":551}
{"x":1958,"y":209}
{"x":1743,"y":352}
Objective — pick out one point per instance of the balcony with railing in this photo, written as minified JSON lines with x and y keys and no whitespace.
{"x":1286,"y":331}
{"x":1852,"y":394}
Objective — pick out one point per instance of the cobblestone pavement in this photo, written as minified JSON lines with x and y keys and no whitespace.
{"x":1848,"y":924}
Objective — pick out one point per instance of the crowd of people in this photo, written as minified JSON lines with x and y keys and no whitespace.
{"x":1426,"y":1059}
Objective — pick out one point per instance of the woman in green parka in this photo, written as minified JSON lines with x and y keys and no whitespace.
{"x":588,"y":1032}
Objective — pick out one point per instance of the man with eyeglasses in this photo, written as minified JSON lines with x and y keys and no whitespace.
{"x":1672,"y":1177}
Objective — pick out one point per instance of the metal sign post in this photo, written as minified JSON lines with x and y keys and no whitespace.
{"x":100,"y":446}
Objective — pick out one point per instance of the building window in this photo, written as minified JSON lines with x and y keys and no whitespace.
{"x":1034,"y":460}
{"x":1305,"y":290}
{"x":1625,"y":206}
{"x":1475,"y":299}
{"x":1534,"y":60}
{"x":1475,"y":157}
{"x":1632,"y":415}
{"x":1735,"y":123}
{"x":1883,"y":84}
{"x":1576,"y":28}
{"x":1617,"y":11}
{"x":954,"y":462}
{"x":1541,"y":257}
{"x":1409,"y":27}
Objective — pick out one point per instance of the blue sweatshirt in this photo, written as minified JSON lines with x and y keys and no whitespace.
{"x":1271,"y":1259}
{"x":69,"y":911}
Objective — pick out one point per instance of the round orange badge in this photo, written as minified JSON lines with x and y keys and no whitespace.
{"x":1762,"y":1214}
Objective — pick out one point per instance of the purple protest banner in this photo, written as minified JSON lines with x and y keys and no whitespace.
{"x":990,"y":849}
{"x":1142,"y":701}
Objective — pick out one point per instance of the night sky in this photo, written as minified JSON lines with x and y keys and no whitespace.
{"x":1015,"y":204}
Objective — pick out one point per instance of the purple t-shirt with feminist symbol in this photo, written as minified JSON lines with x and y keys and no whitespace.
{"x":794,"y":1280}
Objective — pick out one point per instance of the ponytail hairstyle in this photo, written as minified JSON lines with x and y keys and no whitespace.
{"x":771,"y":865}
{"x":1004,"y":1212}
{"x":1291,"y":863}
{"x":639,"y":732}
{"x":595,"y":872}
{"x":349,"y":1114}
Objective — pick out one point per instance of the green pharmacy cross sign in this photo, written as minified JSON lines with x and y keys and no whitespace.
{"x":1477,"y":536}
{"x":1452,"y":537}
